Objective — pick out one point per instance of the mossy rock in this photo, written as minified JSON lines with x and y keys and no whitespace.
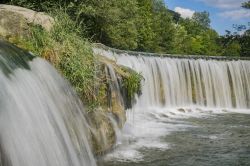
{"x":15,"y":21}
{"x":102,"y":132}
{"x":12,"y":24}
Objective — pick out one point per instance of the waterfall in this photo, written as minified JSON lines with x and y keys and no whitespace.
{"x":42,"y":121}
{"x":174,"y":82}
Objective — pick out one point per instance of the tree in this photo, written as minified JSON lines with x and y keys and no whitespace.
{"x":210,"y":43}
{"x":202,"y":18}
{"x":245,"y":44}
{"x":181,"y":40}
{"x":122,"y":32}
{"x":145,"y":25}
{"x":246,"y":5}
{"x":192,"y":27}
{"x":110,"y":22}
{"x":233,"y":49}
{"x":163,"y":28}
{"x":142,"y":25}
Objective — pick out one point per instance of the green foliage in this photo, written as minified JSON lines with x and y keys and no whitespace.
{"x":155,"y":27}
{"x":38,"y":5}
{"x":245,"y":44}
{"x":202,"y":18}
{"x":232,"y":49}
{"x":246,"y":5}
{"x":110,"y":22}
{"x":132,"y":84}
{"x":65,"y":47}
{"x":181,"y":40}
{"x":236,"y":45}
{"x":195,"y":38}
{"x":142,"y":25}
{"x":77,"y":62}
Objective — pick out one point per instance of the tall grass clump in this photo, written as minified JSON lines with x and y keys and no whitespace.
{"x":66,"y":47}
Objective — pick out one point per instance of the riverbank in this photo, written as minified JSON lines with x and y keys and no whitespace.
{"x":66,"y":48}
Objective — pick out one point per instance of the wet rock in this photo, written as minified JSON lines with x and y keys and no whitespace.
{"x":117,"y":109}
{"x":164,"y":115}
{"x":172,"y":113}
{"x":107,"y":120}
{"x":200,"y":110}
{"x":104,"y":123}
{"x":102,"y":133}
{"x":224,"y":110}
{"x":4,"y":159}
{"x":181,"y":110}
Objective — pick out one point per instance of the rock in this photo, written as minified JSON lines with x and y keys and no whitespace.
{"x":181,"y":110}
{"x":200,"y":110}
{"x":117,"y":110}
{"x":12,"y":24}
{"x":172,"y":113}
{"x":103,"y":136}
{"x":104,"y":124}
{"x":15,"y":21}
{"x":164,"y":115}
{"x":109,"y":118}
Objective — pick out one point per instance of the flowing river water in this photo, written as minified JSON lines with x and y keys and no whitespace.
{"x":42,"y":121}
{"x":192,"y":112}
{"x":203,"y":139}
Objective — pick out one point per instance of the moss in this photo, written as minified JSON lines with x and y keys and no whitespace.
{"x":130,"y":80}
{"x":132,"y":84}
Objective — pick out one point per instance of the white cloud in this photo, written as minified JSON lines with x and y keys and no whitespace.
{"x":224,"y":4}
{"x":236,"y":14}
{"x":185,"y":13}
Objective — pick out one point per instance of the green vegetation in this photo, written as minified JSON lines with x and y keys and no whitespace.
{"x":202,"y":18}
{"x":246,"y":5}
{"x":237,"y":43}
{"x":66,"y":48}
{"x":142,"y":25}
{"x":132,"y":85}
{"x":69,"y":50}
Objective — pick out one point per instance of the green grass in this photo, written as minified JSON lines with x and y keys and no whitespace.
{"x":67,"y":48}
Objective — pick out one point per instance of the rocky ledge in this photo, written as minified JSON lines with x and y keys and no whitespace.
{"x":15,"y":21}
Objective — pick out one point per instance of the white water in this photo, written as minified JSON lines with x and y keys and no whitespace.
{"x":42,"y":121}
{"x":175,"y":89}
{"x":172,"y":82}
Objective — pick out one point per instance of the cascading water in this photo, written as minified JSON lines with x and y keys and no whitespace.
{"x":172,"y":82}
{"x":180,"y":118}
{"x":42,"y":121}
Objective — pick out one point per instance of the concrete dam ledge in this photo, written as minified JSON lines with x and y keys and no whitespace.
{"x":195,"y":57}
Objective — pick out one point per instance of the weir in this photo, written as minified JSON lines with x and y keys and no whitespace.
{"x":190,"y":110}
{"x":170,"y":81}
{"x":42,"y":121}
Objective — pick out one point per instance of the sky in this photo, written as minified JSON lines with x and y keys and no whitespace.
{"x":223,"y":13}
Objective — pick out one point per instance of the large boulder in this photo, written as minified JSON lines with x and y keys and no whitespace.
{"x":103,"y":136}
{"x":106,"y":121}
{"x":15,"y":21}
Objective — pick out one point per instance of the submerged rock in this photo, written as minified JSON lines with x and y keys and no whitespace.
{"x":181,"y":110}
